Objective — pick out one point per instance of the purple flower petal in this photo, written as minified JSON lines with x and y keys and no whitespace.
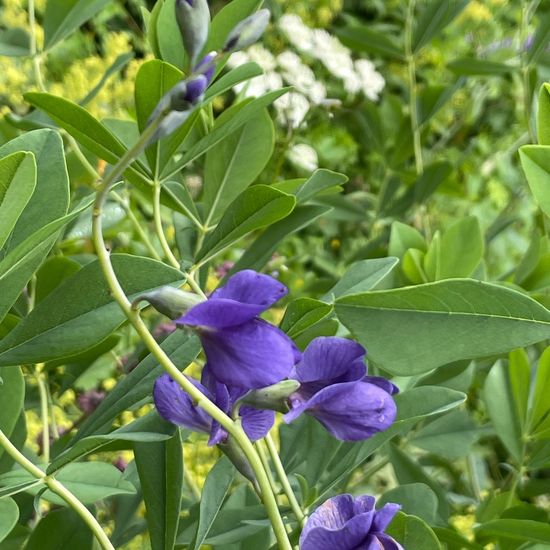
{"x":350,"y":411}
{"x":250,"y":287}
{"x":256,"y":423}
{"x":176,"y":406}
{"x":384,"y":516}
{"x":388,"y":543}
{"x":252,"y":355}
{"x":331,"y":359}
{"x":217,"y":433}
{"x":386,"y":385}
{"x":219,"y":313}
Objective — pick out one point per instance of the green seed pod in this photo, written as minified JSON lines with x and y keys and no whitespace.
{"x":170,"y":301}
{"x":272,"y":397}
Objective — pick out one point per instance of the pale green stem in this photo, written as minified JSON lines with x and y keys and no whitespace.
{"x":283,"y":478}
{"x":200,"y":399}
{"x":59,"y":489}
{"x":260,"y":447}
{"x":39,"y":375}
{"x":413,"y":92}
{"x":53,"y":422}
{"x":191,"y":484}
{"x":158,"y":226}
{"x":194,"y":286}
{"x":36,"y":56}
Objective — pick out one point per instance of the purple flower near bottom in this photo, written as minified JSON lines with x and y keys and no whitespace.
{"x":335,"y":390}
{"x":241,"y":349}
{"x":177,"y":407}
{"x":348,"y":523}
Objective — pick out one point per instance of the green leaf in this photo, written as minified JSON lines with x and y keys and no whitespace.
{"x":137,"y":386}
{"x":442,"y":322}
{"x":519,"y":368}
{"x":234,"y":163}
{"x":254,"y":208}
{"x":20,"y":487}
{"x":160,"y":467}
{"x":259,"y":252}
{"x":303,"y":313}
{"x":543,"y":115}
{"x":153,"y":80}
{"x":319,"y":181}
{"x":215,"y":489}
{"x":245,"y":113}
{"x":237,"y":75}
{"x":14,"y":43}
{"x":226,"y":19}
{"x":461,"y":249}
{"x":499,"y":401}
{"x":362,"y":276}
{"x":516,"y":529}
{"x":412,"y":532}
{"x":535,"y":161}
{"x":433,"y":19}
{"x":540,"y":40}
{"x":61,"y":529}
{"x":52,"y":273}
{"x":450,"y":436}
{"x":9,"y":514}
{"x":408,"y":470}
{"x":88,"y":481}
{"x":168,"y":35}
{"x":62,"y":17}
{"x":540,"y":405}
{"x":17,"y":183}
{"x":146,"y":429}
{"x":69,"y":321}
{"x":479,"y":67}
{"x":415,"y":498}
{"x":403,"y":237}
{"x":362,"y":38}
{"x":12,"y":395}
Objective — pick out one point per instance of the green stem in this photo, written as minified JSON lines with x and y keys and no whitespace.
{"x":234,"y":430}
{"x":413,"y":91}
{"x":36,"y":56}
{"x":43,"y":412}
{"x":59,"y":489}
{"x":260,"y":447}
{"x":283,"y":478}
{"x":158,"y":226}
{"x":137,"y":226}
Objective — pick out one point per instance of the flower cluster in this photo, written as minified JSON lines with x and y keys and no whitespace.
{"x":245,"y":354}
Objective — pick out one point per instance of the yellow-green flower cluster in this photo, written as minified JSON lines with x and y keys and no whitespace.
{"x":315,"y":13}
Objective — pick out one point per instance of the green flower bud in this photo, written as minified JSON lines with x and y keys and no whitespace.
{"x":193,"y":18}
{"x":272,"y":397}
{"x":169,"y":301}
{"x":232,"y":451}
{"x":247,"y":32}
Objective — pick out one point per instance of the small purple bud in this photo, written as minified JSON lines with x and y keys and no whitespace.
{"x":206,"y":66}
{"x":195,"y":88}
{"x":247,"y":32}
{"x":89,"y":401}
{"x":193,"y":17}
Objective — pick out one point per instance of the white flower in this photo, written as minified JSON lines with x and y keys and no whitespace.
{"x":236,"y":59}
{"x":262,"y":57}
{"x":297,"y":33}
{"x":259,"y":85}
{"x":303,"y":156}
{"x":372,"y":82}
{"x":301,"y":76}
{"x":292,"y":109}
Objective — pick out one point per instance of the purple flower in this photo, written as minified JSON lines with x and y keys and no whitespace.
{"x":242,"y":350}
{"x":177,"y":407}
{"x":206,"y":66}
{"x":349,"y":523}
{"x":335,"y":390}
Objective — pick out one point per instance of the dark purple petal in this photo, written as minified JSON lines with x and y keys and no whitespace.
{"x":206,"y":67}
{"x":384,"y":516}
{"x":363,"y":503}
{"x":195,"y":88}
{"x":331,"y":359}
{"x":388,"y":543}
{"x":386,"y":385}
{"x":250,"y":287}
{"x":176,"y":406}
{"x":219,"y":313}
{"x":217,"y":433}
{"x":252,"y":355}
{"x":350,"y":411}
{"x":256,"y":422}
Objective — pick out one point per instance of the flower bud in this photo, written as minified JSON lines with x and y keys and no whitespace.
{"x":206,"y":66}
{"x":232,"y":451}
{"x":193,"y":18}
{"x":272,"y":397}
{"x":169,"y":301}
{"x":247,"y":31}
